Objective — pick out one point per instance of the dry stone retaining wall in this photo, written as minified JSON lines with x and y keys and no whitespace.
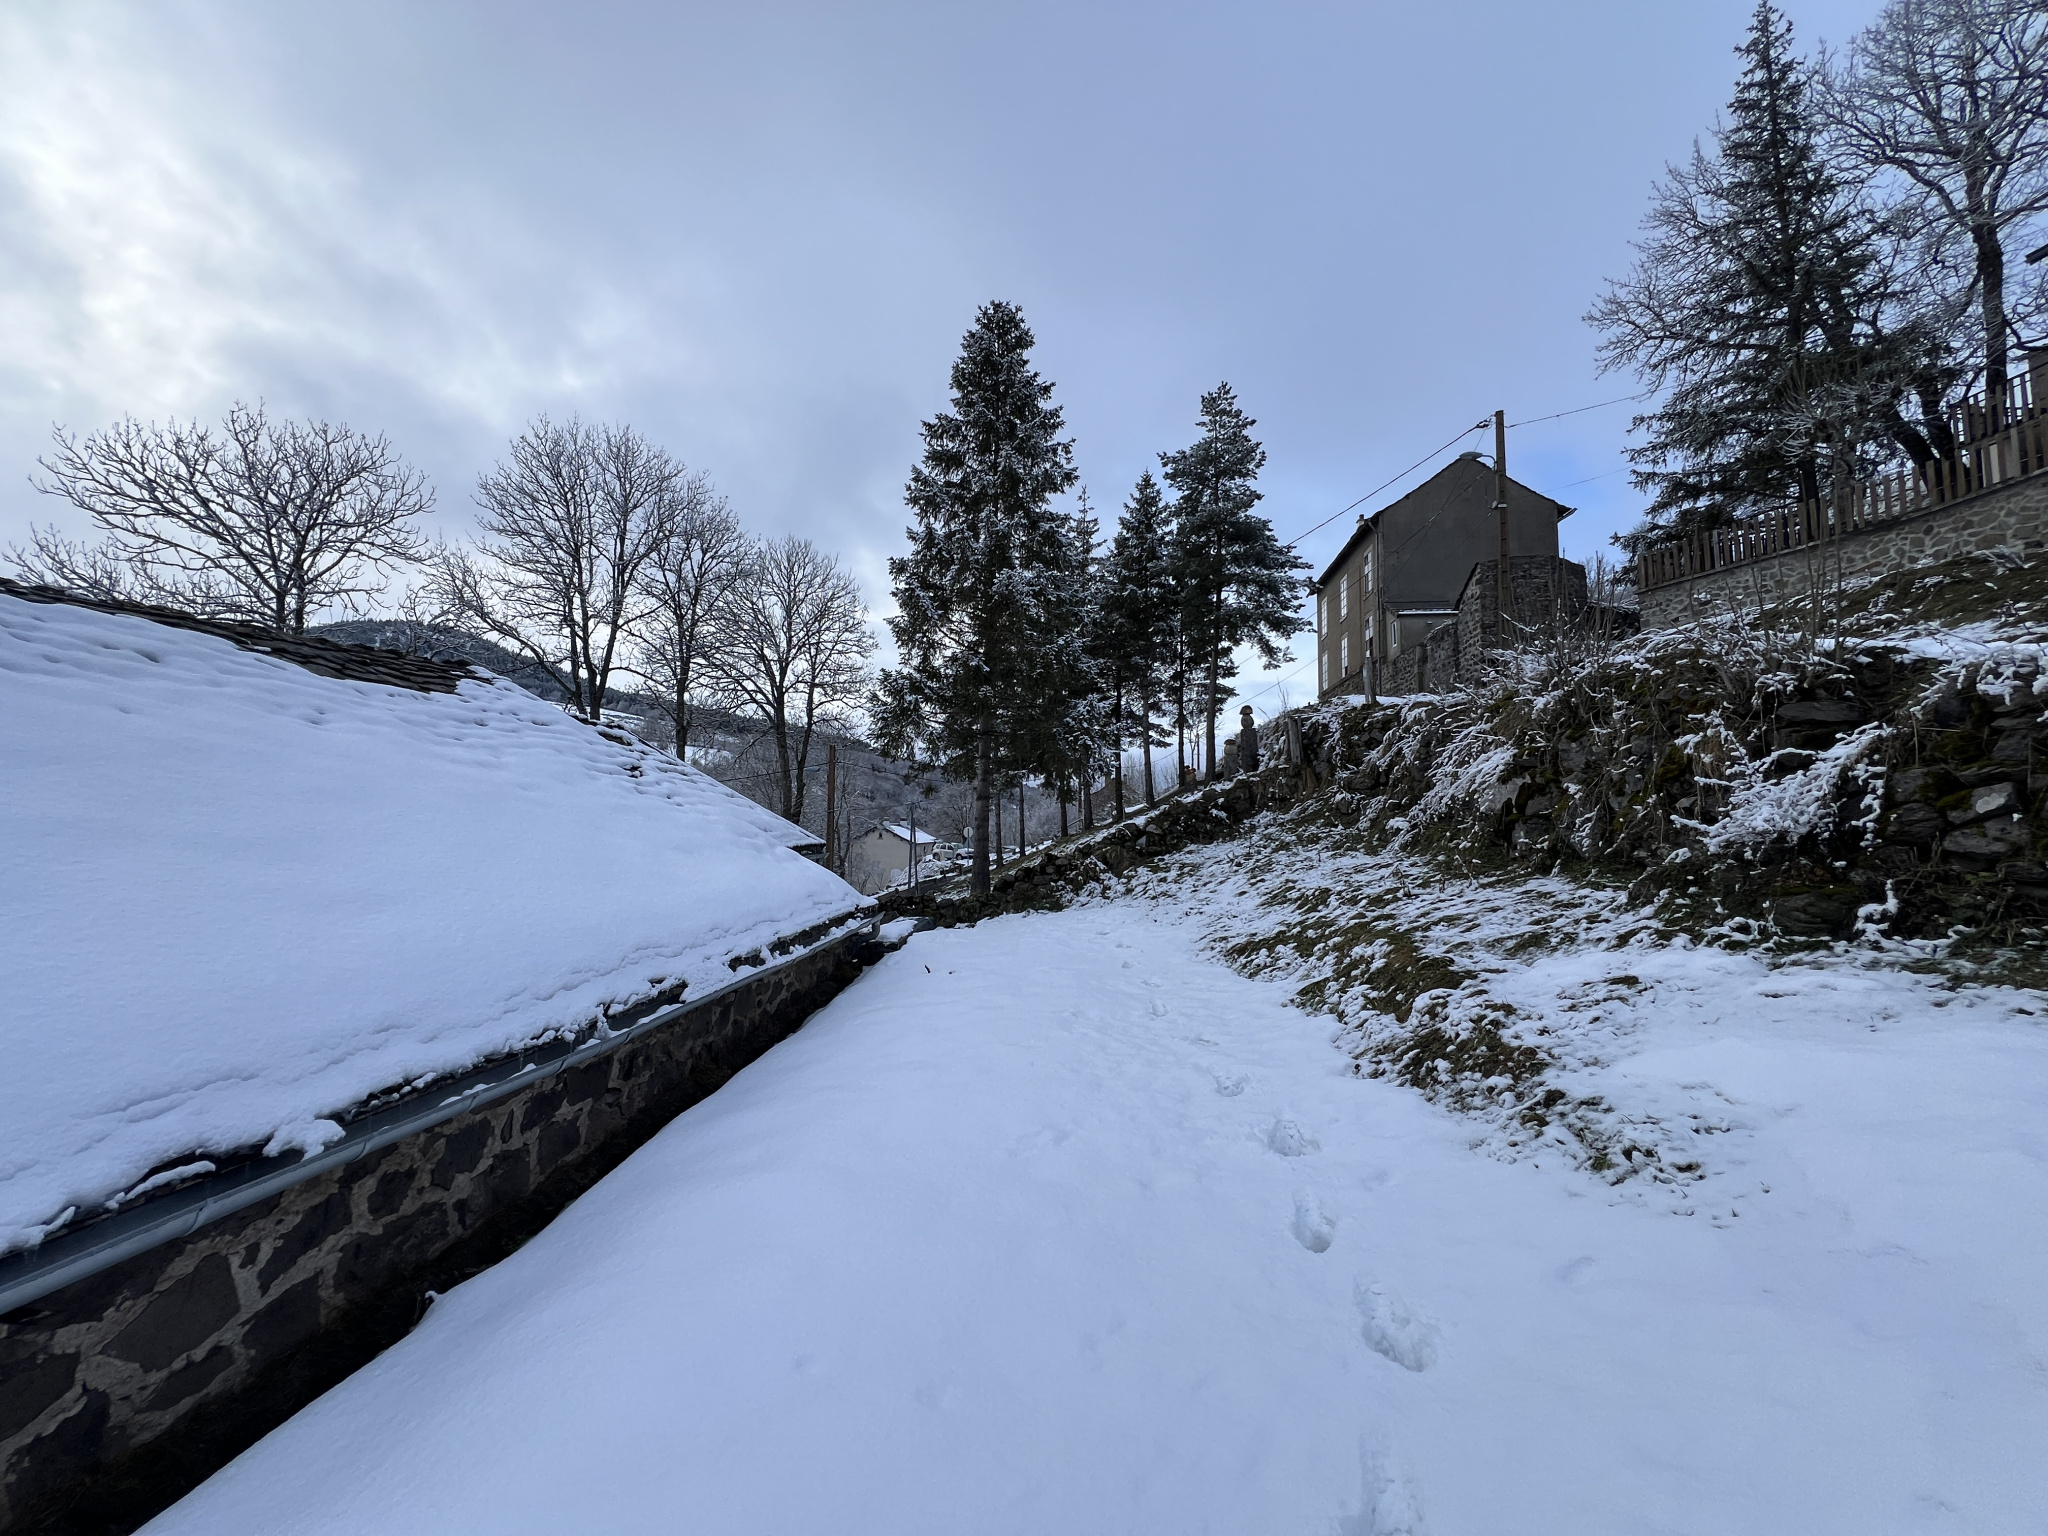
{"x":100,"y":1370}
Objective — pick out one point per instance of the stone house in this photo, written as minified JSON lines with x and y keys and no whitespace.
{"x":1405,"y":569}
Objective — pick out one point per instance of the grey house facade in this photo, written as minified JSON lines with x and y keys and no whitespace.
{"x":1403,"y":571}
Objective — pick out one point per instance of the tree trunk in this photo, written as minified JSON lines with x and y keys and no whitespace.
{"x":1020,"y":816}
{"x":984,"y":774}
{"x":1088,"y":799}
{"x":779,"y":723}
{"x":1997,"y":329}
{"x":1209,"y":716}
{"x":1145,"y":712}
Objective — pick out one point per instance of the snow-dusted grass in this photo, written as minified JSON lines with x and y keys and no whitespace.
{"x":1057,"y":1224}
{"x":241,"y":897}
{"x":1521,"y":1001}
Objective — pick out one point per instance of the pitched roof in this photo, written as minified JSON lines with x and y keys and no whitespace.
{"x":1368,"y":520}
{"x":329,"y":658}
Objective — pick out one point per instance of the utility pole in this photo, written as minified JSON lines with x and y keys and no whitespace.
{"x":831,"y":796}
{"x":1506,"y":581}
{"x":913,"y":845}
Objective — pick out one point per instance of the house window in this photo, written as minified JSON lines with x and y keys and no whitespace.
{"x":1365,"y":573}
{"x":1326,"y":670}
{"x":1344,"y":655}
{"x":1343,"y":599}
{"x":1322,"y":612}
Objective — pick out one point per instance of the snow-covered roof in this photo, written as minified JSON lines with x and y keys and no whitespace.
{"x":243,"y":897}
{"x":904,"y":832}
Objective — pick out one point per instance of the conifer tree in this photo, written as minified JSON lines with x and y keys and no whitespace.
{"x":1237,"y":583}
{"x":1066,"y":723}
{"x":1140,"y":610}
{"x":1759,"y":301}
{"x":986,"y":627}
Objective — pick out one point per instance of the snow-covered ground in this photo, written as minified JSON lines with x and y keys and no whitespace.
{"x":1057,"y":1224}
{"x":241,"y":897}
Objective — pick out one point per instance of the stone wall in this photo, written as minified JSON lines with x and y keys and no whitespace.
{"x":2013,"y":516}
{"x":1546,"y":587}
{"x":122,"y":1368}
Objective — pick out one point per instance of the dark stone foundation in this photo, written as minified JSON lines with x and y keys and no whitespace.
{"x":122,"y":1391}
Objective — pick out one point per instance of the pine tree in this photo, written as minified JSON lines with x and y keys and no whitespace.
{"x":985,"y":627}
{"x":1237,"y":583}
{"x":1759,"y":301}
{"x":1139,"y":613}
{"x":1064,"y":720}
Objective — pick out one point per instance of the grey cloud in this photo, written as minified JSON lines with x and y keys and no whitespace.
{"x":758,"y":232}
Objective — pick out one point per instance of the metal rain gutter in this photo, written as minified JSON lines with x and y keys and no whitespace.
{"x":30,"y":1274}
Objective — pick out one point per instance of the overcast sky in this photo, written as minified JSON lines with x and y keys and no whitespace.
{"x":757,"y":232}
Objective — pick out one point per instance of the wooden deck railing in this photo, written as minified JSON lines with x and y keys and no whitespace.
{"x":2001,"y":444}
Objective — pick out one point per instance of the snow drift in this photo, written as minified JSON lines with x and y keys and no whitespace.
{"x":243,"y":897}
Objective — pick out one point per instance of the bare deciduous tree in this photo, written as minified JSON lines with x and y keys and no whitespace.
{"x":264,"y":522}
{"x":571,"y":521}
{"x":688,"y":589}
{"x":798,"y":652}
{"x":1952,"y":96}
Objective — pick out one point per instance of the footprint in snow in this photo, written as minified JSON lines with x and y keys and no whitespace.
{"x":1390,"y":1505}
{"x":1231,"y":1084}
{"x":1313,"y":1227}
{"x":1394,"y":1330}
{"x":1290,"y":1140}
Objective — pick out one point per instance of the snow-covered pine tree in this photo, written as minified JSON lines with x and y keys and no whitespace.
{"x":1759,"y":302}
{"x":1139,"y":612}
{"x":1064,"y":730}
{"x":984,"y":622}
{"x":1238,"y":584}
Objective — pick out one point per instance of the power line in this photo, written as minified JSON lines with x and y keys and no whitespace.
{"x":1477,"y":426}
{"x":1368,"y":496}
{"x":1591,"y":478}
{"x":1581,"y":409}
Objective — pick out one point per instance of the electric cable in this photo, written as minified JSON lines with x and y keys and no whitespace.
{"x":1531,"y":421}
{"x":1368,"y":496}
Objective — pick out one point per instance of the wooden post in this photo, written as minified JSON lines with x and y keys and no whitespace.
{"x":1506,"y":581}
{"x":831,"y":798}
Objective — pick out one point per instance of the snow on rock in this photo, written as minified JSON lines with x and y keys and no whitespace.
{"x":242,"y":897}
{"x":984,"y":1248}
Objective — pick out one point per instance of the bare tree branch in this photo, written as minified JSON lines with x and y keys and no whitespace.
{"x":798,"y":652}
{"x":266,"y":522}
{"x":570,"y":523}
{"x":688,"y":588}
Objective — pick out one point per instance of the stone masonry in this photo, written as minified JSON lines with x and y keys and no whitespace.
{"x":2012,"y":517}
{"x":112,"y":1363}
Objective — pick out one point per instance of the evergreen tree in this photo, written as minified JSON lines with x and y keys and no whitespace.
{"x":986,"y":629}
{"x":1237,"y":583}
{"x":1066,"y":723}
{"x":1759,"y":301}
{"x":1140,"y":612}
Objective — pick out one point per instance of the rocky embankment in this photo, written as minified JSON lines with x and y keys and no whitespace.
{"x":1741,"y":768}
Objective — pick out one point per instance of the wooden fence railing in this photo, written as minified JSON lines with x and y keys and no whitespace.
{"x":2009,"y":442}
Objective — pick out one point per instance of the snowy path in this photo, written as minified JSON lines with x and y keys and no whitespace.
{"x":1057,"y":1226}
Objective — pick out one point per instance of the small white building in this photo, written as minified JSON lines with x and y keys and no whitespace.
{"x":887,"y":855}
